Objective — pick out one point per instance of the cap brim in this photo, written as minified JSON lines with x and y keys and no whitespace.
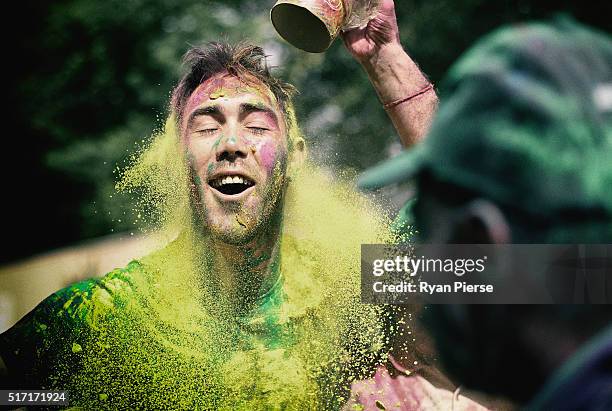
{"x":401,"y":168}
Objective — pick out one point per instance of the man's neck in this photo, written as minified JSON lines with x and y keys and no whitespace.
{"x":245,"y":273}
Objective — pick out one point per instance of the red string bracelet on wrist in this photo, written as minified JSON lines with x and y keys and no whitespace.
{"x":410,"y":97}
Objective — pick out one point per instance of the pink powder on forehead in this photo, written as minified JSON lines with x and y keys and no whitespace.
{"x":226,"y":85}
{"x":203,"y":91}
{"x":209,"y":86}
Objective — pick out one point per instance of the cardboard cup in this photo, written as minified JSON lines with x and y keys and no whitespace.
{"x":310,"y":25}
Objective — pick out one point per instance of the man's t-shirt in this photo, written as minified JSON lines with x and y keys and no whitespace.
{"x":127,"y":341}
{"x":65,"y":334}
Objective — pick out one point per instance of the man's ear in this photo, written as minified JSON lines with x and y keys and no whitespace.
{"x":480,"y":222}
{"x":298,"y":154}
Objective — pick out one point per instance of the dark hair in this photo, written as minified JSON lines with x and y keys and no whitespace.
{"x":239,"y":60}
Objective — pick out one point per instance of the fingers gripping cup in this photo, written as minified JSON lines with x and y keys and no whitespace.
{"x":312,"y":25}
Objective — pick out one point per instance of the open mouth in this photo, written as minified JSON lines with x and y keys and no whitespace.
{"x":231,"y":185}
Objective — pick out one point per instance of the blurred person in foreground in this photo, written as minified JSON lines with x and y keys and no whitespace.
{"x":254,"y":303}
{"x":520,"y":152}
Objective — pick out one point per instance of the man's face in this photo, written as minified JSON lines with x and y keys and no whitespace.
{"x":236,"y":142}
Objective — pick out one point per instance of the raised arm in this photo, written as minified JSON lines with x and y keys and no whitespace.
{"x":404,"y":91}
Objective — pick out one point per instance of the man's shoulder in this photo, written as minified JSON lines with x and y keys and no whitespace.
{"x":74,"y":303}
{"x":60,"y":319}
{"x":78,"y":301}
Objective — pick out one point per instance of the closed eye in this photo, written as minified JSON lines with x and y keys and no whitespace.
{"x":258,"y":130}
{"x":207,"y":130}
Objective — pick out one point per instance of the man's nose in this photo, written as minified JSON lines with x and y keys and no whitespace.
{"x":231,"y":148}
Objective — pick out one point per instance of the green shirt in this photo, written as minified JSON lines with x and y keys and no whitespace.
{"x":54,"y":342}
{"x":138,"y":337}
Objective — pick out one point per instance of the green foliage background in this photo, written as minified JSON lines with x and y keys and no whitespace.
{"x":91,"y":82}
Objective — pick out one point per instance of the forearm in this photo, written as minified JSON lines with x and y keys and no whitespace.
{"x":396,"y":76}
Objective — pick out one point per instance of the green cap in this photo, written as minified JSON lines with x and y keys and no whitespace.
{"x":525,"y":119}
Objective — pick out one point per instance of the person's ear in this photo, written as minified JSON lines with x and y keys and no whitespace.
{"x":480,"y":222}
{"x":298,"y":154}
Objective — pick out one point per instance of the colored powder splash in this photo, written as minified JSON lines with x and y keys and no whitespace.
{"x":360,"y":13}
{"x":159,"y":334}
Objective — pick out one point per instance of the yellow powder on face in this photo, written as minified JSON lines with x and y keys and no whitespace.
{"x":169,"y":341}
